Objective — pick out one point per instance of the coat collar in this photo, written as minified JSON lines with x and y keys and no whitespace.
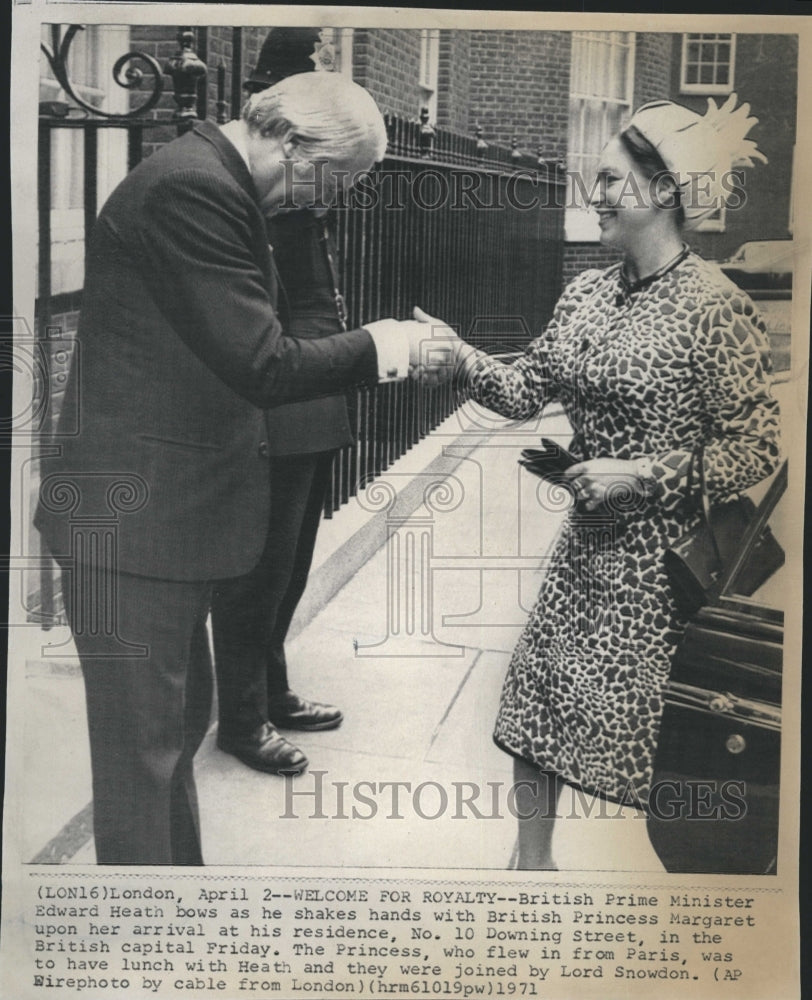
{"x":229,"y":154}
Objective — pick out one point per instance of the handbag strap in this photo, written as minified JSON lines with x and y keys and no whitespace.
{"x":698,"y":462}
{"x":756,"y":527}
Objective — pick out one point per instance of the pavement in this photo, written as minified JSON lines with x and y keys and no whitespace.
{"x":419,"y":590}
{"x":413,"y":644}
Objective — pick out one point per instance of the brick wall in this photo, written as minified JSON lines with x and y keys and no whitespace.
{"x":252,"y":41}
{"x":387,"y":62}
{"x":652,"y":67}
{"x":520,"y":87}
{"x":161,"y":43}
{"x":581,"y":256}
{"x":765,"y":76}
{"x":454,"y":81}
{"x":219,"y":49}
{"x":215,"y":46}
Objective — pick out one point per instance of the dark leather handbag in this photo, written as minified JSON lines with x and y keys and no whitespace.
{"x":713,"y":805}
{"x":697,"y":563}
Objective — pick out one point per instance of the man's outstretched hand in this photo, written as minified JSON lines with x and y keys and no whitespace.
{"x":433,"y":348}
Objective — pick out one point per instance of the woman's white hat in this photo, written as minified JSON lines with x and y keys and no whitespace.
{"x":699,"y":150}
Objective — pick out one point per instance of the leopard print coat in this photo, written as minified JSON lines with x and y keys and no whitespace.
{"x":683,"y":361}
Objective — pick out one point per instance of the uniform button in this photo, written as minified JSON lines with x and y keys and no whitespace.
{"x":264,"y":449}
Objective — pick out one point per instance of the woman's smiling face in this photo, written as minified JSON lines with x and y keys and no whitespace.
{"x":624,"y":198}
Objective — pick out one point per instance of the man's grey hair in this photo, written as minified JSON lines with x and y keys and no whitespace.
{"x":330,"y":116}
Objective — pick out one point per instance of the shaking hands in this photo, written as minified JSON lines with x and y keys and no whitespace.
{"x":434,"y":348}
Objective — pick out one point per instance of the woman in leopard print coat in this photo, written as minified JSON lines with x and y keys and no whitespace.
{"x":650,"y":359}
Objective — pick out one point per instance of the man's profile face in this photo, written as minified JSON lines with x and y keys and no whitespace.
{"x":321,"y":183}
{"x":286,"y":179}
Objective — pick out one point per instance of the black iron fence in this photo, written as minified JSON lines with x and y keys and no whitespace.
{"x":470,"y":232}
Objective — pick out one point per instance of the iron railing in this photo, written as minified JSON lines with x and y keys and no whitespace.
{"x":445,"y":225}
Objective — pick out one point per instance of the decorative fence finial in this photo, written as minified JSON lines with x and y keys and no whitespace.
{"x":426,"y":133}
{"x":481,"y":145}
{"x":186,"y":70}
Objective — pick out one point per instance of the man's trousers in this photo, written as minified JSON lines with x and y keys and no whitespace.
{"x":147,"y":715}
{"x":251,"y":615}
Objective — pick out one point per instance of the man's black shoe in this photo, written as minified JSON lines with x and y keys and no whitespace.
{"x":266,"y":750}
{"x":293,"y":712}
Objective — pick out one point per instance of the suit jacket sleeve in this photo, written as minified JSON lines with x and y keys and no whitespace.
{"x":201,"y":239}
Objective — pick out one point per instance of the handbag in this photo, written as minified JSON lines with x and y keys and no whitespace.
{"x":699,"y":561}
{"x":713,"y":805}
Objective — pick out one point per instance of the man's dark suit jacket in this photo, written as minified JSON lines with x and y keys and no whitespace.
{"x":180,"y":350}
{"x":314,"y":425}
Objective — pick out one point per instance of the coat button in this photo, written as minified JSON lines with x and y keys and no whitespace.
{"x":264,"y":449}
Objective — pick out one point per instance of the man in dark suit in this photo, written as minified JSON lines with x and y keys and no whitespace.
{"x":251,"y":615}
{"x":166,"y":487}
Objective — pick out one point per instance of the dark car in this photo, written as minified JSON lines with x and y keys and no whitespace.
{"x":762,"y":268}
{"x":715,"y":793}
